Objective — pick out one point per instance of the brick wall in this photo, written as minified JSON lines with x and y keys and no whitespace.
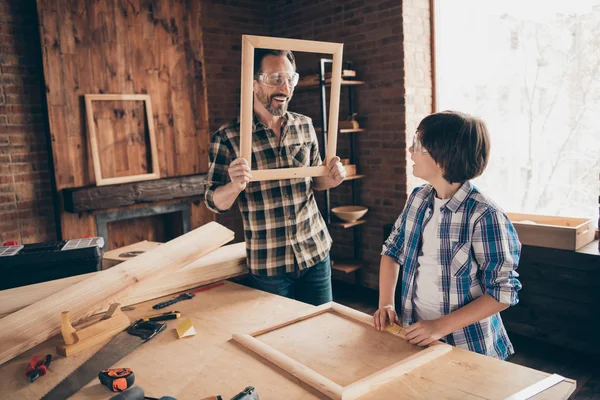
{"x":223,"y":24}
{"x":26,"y":202}
{"x":372,"y":33}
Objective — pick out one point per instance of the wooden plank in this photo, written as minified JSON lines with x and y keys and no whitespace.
{"x":117,"y":256}
{"x":287,"y":173}
{"x":98,"y":198}
{"x":352,"y":177}
{"x":308,"y":86}
{"x":223,"y":263}
{"x":36,"y":323}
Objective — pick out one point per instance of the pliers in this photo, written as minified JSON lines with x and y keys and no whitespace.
{"x":37,"y":367}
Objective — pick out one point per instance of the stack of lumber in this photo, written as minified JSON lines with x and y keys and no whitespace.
{"x":191,"y":260}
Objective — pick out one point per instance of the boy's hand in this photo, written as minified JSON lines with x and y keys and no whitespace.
{"x":239,"y":173}
{"x":423,"y":333}
{"x":383,"y":315}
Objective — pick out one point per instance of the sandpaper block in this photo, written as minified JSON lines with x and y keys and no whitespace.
{"x":395,"y":329}
{"x":185,"y":328}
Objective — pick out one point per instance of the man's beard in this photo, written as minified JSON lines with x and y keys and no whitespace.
{"x":268,"y":101}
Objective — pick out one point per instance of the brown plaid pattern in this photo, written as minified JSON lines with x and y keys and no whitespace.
{"x":282,"y":223}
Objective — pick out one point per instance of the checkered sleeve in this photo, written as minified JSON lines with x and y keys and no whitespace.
{"x":395,"y":242}
{"x":219,"y":159}
{"x":497,"y":249}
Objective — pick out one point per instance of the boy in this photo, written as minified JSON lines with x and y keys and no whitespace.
{"x":458,"y":250}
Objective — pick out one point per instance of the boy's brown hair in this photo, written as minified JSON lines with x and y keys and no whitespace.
{"x":457,"y":142}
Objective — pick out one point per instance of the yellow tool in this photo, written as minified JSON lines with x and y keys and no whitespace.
{"x":395,"y":329}
{"x":76,"y":340}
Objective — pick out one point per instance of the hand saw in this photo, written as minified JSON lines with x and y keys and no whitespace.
{"x":121,"y":345}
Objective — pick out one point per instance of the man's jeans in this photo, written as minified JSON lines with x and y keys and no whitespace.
{"x":312,"y":285}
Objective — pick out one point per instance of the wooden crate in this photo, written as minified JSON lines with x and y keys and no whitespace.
{"x":554,"y":232}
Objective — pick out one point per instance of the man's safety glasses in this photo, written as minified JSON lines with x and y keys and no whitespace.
{"x":276,"y":79}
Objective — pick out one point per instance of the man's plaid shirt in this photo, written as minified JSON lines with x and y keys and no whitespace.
{"x":478,"y":253}
{"x":282,"y":223}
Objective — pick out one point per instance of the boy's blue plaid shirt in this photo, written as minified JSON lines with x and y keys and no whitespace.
{"x":478,"y":253}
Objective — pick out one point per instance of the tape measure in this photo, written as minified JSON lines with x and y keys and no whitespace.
{"x":117,"y":379}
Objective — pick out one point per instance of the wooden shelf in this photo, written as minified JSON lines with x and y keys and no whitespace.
{"x":347,"y":266}
{"x":345,"y":225}
{"x":318,"y":130}
{"x":308,"y":86}
{"x":352,"y":177}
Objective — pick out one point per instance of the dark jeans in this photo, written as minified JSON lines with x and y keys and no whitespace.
{"x":312,"y":285}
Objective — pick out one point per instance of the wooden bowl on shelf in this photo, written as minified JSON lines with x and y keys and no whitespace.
{"x":349,"y":213}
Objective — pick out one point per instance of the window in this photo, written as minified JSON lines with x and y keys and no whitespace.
{"x":531,"y":70}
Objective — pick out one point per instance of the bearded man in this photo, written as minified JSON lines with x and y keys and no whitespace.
{"x":287,"y":241}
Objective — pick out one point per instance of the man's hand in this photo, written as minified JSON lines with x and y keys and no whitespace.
{"x":239,"y":173}
{"x":383,"y":315}
{"x":423,"y":333}
{"x":337,"y":172}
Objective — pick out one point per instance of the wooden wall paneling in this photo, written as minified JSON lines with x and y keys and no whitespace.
{"x":108,"y":148}
{"x":201,"y":215}
{"x":36,"y":323}
{"x":156,"y":228}
{"x":133,"y":47}
{"x":66,"y":38}
{"x":124,"y":48}
{"x":78,"y":225}
{"x":49,"y":40}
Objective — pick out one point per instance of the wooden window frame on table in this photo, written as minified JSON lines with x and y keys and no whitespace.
{"x":89,"y":112}
{"x":249,"y":43}
{"x":324,"y":384}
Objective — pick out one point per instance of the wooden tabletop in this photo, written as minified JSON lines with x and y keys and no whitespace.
{"x":210,"y":363}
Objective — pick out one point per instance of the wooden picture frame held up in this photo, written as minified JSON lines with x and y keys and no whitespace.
{"x":89,"y":112}
{"x":249,"y":43}
{"x":324,"y":384}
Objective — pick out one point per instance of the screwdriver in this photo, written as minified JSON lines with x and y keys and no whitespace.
{"x":163,"y":316}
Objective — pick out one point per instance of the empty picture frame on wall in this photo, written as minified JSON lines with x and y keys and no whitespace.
{"x":249,"y":43}
{"x":93,"y":138}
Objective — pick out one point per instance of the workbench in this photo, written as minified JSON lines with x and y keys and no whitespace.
{"x":211,"y":363}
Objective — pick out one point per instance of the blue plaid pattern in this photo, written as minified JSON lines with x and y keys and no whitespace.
{"x":479,"y":252}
